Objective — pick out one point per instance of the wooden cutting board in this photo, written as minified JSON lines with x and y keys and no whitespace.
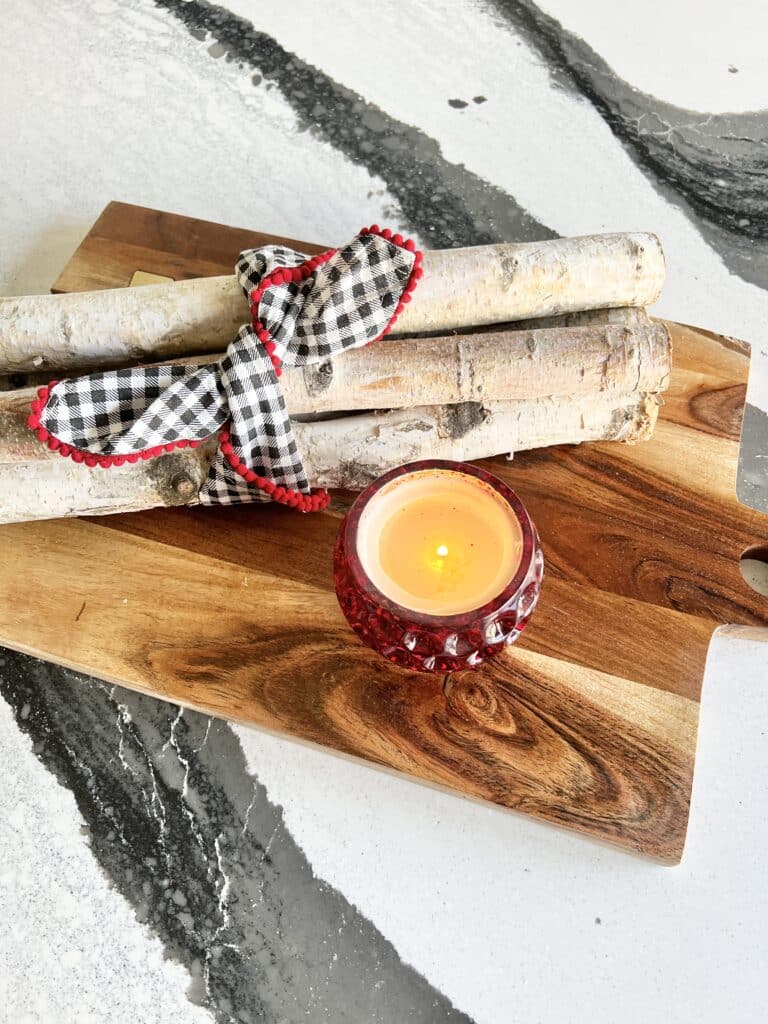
{"x":589,"y":722}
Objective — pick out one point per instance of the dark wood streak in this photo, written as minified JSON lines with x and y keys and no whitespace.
{"x":650,"y":542}
{"x":601,"y":741}
{"x":508,"y":736}
{"x":719,"y":410}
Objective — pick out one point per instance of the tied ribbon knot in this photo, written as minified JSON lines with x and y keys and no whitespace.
{"x":305,"y":310}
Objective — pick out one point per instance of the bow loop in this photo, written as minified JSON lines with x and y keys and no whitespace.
{"x":314,"y":308}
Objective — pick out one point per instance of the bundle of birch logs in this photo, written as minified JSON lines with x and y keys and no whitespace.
{"x":572,"y":356}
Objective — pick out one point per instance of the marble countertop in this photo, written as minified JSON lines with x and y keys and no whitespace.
{"x":159,"y":865}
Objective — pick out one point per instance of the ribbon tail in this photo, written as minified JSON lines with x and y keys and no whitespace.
{"x":124,"y":415}
{"x":258,"y":457}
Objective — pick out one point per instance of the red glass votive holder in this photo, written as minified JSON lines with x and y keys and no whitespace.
{"x":436,"y":643}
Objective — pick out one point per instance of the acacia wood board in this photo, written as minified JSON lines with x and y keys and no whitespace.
{"x":588,"y":722}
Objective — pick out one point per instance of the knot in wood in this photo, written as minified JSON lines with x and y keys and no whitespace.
{"x":318,"y":377}
{"x":183,"y":485}
{"x":480,"y":703}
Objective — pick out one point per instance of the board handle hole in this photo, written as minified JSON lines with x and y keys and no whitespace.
{"x":754,"y":568}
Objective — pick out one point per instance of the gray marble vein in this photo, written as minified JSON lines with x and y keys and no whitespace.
{"x":175,"y":821}
{"x":444,"y":202}
{"x":189,"y":837}
{"x":714,"y":166}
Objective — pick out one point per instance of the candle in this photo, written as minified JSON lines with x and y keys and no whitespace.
{"x":439,"y":541}
{"x":438,"y":566}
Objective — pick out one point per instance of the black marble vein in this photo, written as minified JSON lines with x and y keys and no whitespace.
{"x":714,"y":166}
{"x":189,"y":837}
{"x":444,"y":202}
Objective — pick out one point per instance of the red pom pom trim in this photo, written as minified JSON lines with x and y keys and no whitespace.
{"x":317,"y":499}
{"x":83,"y":455}
{"x":281,"y":275}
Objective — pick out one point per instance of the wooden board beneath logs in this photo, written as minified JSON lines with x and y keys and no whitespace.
{"x":589,"y":722}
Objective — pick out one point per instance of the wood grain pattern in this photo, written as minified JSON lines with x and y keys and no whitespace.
{"x":128,"y":238}
{"x":589,"y":723}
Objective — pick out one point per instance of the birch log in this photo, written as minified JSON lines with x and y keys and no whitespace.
{"x":631,"y":353}
{"x":498,"y":366}
{"x":461,"y":287}
{"x":347,"y":452}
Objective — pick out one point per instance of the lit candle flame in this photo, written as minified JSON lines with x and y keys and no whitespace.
{"x":442,"y":551}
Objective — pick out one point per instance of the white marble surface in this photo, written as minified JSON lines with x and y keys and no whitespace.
{"x":702,"y":61}
{"x":71,"y":949}
{"x":512,"y":920}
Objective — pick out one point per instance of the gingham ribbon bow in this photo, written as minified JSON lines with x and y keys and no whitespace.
{"x":305,"y":310}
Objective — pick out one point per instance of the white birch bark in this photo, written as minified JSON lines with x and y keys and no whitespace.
{"x":460,"y":288}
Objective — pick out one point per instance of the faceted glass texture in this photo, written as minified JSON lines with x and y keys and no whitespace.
{"x":431,"y":643}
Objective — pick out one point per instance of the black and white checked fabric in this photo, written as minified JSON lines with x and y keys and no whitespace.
{"x":125,"y":411}
{"x":345,"y":303}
